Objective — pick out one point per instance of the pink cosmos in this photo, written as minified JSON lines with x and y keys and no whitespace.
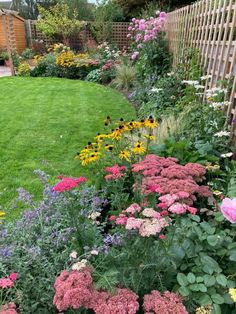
{"x":132,"y":209}
{"x":146,"y":38}
{"x":228,"y":209}
{"x":67,"y":184}
{"x":162,"y":14}
{"x":6,"y":283}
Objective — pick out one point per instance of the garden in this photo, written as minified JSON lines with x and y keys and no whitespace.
{"x":118,"y":178}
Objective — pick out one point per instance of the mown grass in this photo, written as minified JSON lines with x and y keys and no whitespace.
{"x":44,"y":122}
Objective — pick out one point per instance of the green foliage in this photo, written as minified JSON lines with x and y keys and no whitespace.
{"x":104,"y":14}
{"x":154,"y":60}
{"x":125,"y":76}
{"x":231,"y":191}
{"x":84,"y":9}
{"x":27,"y":54}
{"x":56,"y":22}
{"x":162,"y":97}
{"x":23,"y":69}
{"x":94,"y":76}
{"x":46,"y":67}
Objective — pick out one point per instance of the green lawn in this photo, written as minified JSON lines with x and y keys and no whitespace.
{"x":44,"y":122}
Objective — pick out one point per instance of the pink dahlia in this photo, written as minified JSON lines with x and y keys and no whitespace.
{"x":228,"y":209}
{"x":67,"y":184}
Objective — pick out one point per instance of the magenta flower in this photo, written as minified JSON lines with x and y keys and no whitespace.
{"x":228,"y":209}
{"x":13,"y":276}
{"x":67,"y":184}
{"x":6,"y":283}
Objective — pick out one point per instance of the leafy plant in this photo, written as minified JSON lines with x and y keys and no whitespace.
{"x":24,"y":69}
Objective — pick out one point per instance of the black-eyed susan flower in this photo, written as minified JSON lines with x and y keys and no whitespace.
{"x":94,"y":157}
{"x":139,"y":148}
{"x":125,"y":155}
{"x":107,"y":121}
{"x":109,"y":147}
{"x":116,"y":134}
{"x":150,"y":123}
{"x":100,"y":137}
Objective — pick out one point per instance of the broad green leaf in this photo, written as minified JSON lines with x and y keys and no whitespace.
{"x":212,"y":240}
{"x":205,"y":300}
{"x":217,"y":298}
{"x":232,"y":255}
{"x":222,"y":280}
{"x":209,"y":280}
{"x":182,"y":279}
{"x":199,"y":279}
{"x":184,"y":291}
{"x":216,"y":309}
{"x":191,"y":278}
{"x":202,"y":287}
{"x":194,"y":287}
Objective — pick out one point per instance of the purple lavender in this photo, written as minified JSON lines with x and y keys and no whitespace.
{"x":42,"y":176}
{"x":24,"y":196}
{"x":6,"y":251}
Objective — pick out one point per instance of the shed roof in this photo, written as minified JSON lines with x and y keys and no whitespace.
{"x":10,"y":12}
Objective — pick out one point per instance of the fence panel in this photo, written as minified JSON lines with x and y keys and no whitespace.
{"x":118,"y":35}
{"x":209,"y":26}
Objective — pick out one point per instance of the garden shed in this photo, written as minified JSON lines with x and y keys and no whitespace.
{"x":12,"y":31}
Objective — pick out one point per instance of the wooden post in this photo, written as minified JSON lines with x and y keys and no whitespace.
{"x":7,"y":35}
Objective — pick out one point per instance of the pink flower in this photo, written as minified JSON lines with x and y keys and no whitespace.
{"x":121,"y":220}
{"x":133,"y":223}
{"x":135,"y":55}
{"x":162,"y":236}
{"x":114,"y":172}
{"x":112,"y":218}
{"x":155,"y":188}
{"x":13,"y":276}
{"x":168,"y":303}
{"x":67,"y":184}
{"x":9,"y":308}
{"x":150,"y":212}
{"x":192,"y":210}
{"x":162,"y":14}
{"x":178,"y":208}
{"x":6,"y":283}
{"x":132,"y":209}
{"x":228,"y":209}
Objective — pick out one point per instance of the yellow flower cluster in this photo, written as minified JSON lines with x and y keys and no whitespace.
{"x":69,"y":58}
{"x":212,"y":167}
{"x":207,"y":309}
{"x":59,"y":47}
{"x":232,"y":293}
{"x":123,"y":142}
{"x":66,"y":59}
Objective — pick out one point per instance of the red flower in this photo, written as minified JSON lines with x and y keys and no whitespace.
{"x":162,"y":236}
{"x":67,"y":184}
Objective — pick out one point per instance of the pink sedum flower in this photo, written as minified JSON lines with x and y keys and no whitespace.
{"x":132,"y":209}
{"x":228,"y":209}
{"x":9,"y":308}
{"x":13,"y":276}
{"x":67,"y":184}
{"x":6,"y":283}
{"x":133,"y":223}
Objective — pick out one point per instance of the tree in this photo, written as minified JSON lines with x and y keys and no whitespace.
{"x":83,"y":8}
{"x":56,"y":22}
{"x":29,"y":8}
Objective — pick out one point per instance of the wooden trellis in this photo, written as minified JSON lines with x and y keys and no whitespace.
{"x":119,"y":35}
{"x":209,"y":26}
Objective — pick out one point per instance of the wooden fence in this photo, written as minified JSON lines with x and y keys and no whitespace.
{"x":118,"y":35}
{"x":209,"y":26}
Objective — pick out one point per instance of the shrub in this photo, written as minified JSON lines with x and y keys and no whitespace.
{"x":94,"y":76}
{"x":23,"y":69}
{"x":27,"y":54}
{"x":125,"y":76}
{"x":46,"y":67}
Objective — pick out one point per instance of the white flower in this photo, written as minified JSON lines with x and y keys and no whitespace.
{"x":156,"y":90}
{"x":222,"y":133}
{"x":171,"y":73}
{"x":79,"y":265}
{"x":73,"y":255}
{"x":94,"y":252}
{"x":61,"y":136}
{"x":205,"y":77}
{"x":192,"y":83}
{"x":199,"y":86}
{"x":94,"y":215}
{"x":227,"y":155}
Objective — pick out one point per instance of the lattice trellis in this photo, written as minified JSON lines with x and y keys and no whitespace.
{"x":119,"y":35}
{"x":210,"y":26}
